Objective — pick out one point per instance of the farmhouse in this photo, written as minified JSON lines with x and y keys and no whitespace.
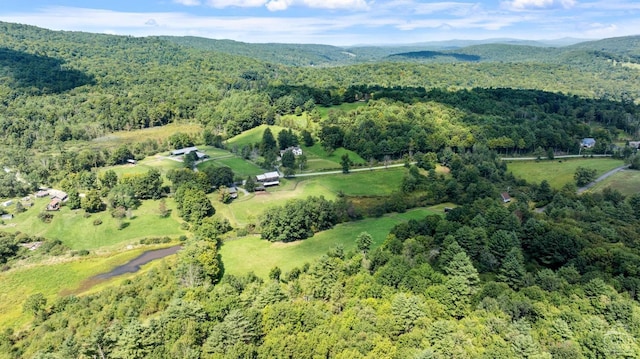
{"x":42,"y":193}
{"x":297,"y":151}
{"x":587,"y":142}
{"x":269,"y":179}
{"x":57,"y":194}
{"x":505,"y":197}
{"x":183,"y":151}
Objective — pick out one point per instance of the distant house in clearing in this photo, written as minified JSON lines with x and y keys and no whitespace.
{"x":587,"y":142}
{"x":297,"y":151}
{"x":55,"y":193}
{"x":42,"y":193}
{"x":183,"y":151}
{"x":7,"y":216}
{"x":187,"y":150}
{"x":233,"y":192}
{"x":7,"y":203}
{"x":634,"y":144}
{"x":269,"y":179}
{"x":505,"y":197}
{"x":131,"y":161}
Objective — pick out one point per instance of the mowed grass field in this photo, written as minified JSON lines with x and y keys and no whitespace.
{"x":627,"y":182}
{"x":160,"y":133}
{"x":247,"y":209}
{"x":253,"y":135}
{"x":252,"y":254}
{"x":78,"y":232}
{"x":56,"y":277}
{"x":239,"y":166}
{"x":560,"y":171}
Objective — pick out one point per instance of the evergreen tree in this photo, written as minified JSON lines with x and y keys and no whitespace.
{"x":512,"y":270}
{"x":268,"y":144}
{"x":250,"y":184}
{"x":288,"y":159}
{"x":345,"y":162}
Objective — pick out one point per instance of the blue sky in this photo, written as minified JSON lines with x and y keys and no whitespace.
{"x":335,"y":22}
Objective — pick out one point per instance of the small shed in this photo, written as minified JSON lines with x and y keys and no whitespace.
{"x":505,"y":197}
{"x":7,"y":203}
{"x":54,"y":205}
{"x":7,"y":216}
{"x":233,"y":192}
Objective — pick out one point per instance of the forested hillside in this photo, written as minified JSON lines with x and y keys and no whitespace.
{"x":503,"y":267}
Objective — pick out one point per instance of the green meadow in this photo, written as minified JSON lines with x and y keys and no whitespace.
{"x":239,"y":166}
{"x":247,"y":209}
{"x":160,"y":133}
{"x":252,"y":254}
{"x":56,"y":277}
{"x":559,"y":171}
{"x":79,"y":232}
{"x":627,"y":182}
{"x":253,"y":135}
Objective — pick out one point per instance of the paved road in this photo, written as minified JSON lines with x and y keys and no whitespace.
{"x":544,"y":158}
{"x":361,"y":169}
{"x":601,"y":178}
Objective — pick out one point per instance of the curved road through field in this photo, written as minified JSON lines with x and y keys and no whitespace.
{"x":377,"y":168}
{"x":601,"y":178}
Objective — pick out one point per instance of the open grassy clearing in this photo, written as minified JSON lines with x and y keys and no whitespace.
{"x":317,"y":151}
{"x":248,"y":209}
{"x":627,"y":182}
{"x":251,"y":253}
{"x":78,"y":232}
{"x":159,"y":133}
{"x":251,"y":136}
{"x":58,"y":277}
{"x":559,"y":172}
{"x":158,"y":162}
{"x":366,"y":183}
{"x":240,"y":167}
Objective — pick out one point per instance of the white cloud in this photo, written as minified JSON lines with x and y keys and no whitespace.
{"x":220,"y":4}
{"x":187,"y":2}
{"x":336,"y":4}
{"x":519,"y":5}
{"x":151,"y":22}
{"x":279,"y":5}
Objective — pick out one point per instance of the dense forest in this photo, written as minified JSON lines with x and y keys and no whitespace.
{"x":552,"y":274}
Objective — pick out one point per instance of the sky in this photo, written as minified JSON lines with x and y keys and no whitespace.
{"x":335,"y":22}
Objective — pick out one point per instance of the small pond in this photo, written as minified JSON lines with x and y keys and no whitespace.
{"x":134,"y":264}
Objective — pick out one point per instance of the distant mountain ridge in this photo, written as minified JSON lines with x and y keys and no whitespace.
{"x":492,"y":50}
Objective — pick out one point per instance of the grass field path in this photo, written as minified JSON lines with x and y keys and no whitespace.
{"x":602,"y":178}
{"x":377,"y":168}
